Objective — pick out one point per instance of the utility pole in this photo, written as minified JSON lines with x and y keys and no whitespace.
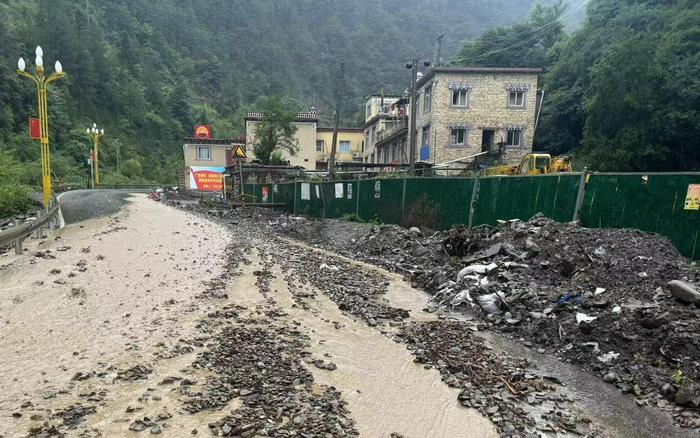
{"x":438,"y":60}
{"x":412,"y":125}
{"x":336,"y":123}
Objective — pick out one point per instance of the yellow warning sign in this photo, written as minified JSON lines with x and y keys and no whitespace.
{"x":692,"y":199}
{"x":239,"y":152}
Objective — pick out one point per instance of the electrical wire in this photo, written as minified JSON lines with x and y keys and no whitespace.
{"x":541,"y":31}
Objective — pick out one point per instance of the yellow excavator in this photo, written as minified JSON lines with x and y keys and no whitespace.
{"x":534,"y":164}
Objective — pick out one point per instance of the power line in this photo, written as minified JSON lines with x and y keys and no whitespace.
{"x":539,"y":32}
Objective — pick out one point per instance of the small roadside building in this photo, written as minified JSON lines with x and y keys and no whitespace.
{"x":206,"y":160}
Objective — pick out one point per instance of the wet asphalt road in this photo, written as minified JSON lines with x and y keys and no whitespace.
{"x":81,"y":205}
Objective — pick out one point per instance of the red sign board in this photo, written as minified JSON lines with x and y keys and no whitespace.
{"x":202,"y":131}
{"x":34,"y":128}
{"x":208,"y":181}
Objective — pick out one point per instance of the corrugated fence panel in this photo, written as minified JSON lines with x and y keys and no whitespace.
{"x":340,"y":198}
{"x":521,"y":197}
{"x":369,"y":197}
{"x":391,"y":197}
{"x":451,"y":197}
{"x":649,"y":202}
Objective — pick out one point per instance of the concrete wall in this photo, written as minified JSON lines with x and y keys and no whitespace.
{"x":306,"y":140}
{"x":487,"y":109}
{"x":355,"y":137}
{"x":373,"y":105}
{"x":218,"y":155}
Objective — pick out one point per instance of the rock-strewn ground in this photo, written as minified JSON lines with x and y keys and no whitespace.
{"x":598,"y":298}
{"x":164,"y":321}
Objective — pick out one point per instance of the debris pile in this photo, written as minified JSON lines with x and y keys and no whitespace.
{"x":615,"y":301}
{"x":519,"y":402}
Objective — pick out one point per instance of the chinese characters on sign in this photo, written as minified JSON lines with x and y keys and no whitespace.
{"x":206,"y":179}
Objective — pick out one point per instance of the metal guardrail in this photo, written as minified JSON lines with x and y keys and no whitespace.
{"x":148,"y":187}
{"x":16,"y":234}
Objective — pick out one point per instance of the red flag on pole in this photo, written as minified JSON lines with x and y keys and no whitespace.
{"x":34,"y":128}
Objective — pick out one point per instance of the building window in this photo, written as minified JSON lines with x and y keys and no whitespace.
{"x":374,"y":134}
{"x":514,"y":138}
{"x":516,"y":99}
{"x":344,"y":146}
{"x":368,"y":110}
{"x":459,"y":98}
{"x":203,"y":153}
{"x":427,"y":99}
{"x":426,"y":137}
{"x":458,"y":136}
{"x":320,"y":145}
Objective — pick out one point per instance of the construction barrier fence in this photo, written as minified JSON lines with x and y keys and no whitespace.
{"x":663,"y":203}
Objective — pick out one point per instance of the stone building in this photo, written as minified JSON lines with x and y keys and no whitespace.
{"x":463,"y":111}
{"x":379,"y":116}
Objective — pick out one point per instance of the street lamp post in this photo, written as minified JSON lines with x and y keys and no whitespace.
{"x":42,"y":81}
{"x":95,"y":135}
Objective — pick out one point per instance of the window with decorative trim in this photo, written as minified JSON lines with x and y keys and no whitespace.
{"x":344,"y":146}
{"x":460,"y":98}
{"x":426,"y":137}
{"x":320,"y":144}
{"x":458,"y":136}
{"x":203,"y":152}
{"x":516,"y":99}
{"x":514,"y":138}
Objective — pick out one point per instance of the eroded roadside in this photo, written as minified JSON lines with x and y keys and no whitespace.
{"x":226,"y":329}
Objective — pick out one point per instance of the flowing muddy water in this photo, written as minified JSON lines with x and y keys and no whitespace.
{"x":385,"y":390}
{"x":602,"y":402}
{"x":112,"y":293}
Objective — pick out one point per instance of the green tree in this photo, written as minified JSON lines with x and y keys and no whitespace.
{"x":132,"y":168}
{"x":275,"y":132}
{"x":524,"y":44}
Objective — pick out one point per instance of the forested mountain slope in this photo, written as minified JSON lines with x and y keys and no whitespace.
{"x":146,"y":70}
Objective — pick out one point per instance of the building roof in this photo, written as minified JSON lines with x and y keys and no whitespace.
{"x":330,"y":129}
{"x":386,"y":96}
{"x":239,"y":139}
{"x":452,"y":70}
{"x":304,"y":116}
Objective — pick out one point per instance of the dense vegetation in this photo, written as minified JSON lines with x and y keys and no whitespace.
{"x":623,"y":91}
{"x":147,"y":70}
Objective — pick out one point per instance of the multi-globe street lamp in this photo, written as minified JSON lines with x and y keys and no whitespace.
{"x":95,"y":135}
{"x":42,"y":81}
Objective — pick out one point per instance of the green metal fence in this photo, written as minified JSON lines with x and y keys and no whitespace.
{"x":649,"y":202}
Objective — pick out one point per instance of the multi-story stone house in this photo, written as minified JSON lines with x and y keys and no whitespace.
{"x":378,"y":117}
{"x":463,"y":111}
{"x":392,"y":141}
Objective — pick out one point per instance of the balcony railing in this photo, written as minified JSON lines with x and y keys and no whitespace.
{"x":391,"y":129}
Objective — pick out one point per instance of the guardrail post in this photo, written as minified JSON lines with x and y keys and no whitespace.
{"x":18,"y":241}
{"x":580,"y":195}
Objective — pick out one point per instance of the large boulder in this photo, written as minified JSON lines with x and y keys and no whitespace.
{"x":684,"y":291}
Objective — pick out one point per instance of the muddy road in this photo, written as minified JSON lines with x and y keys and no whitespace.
{"x":156,"y":320}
